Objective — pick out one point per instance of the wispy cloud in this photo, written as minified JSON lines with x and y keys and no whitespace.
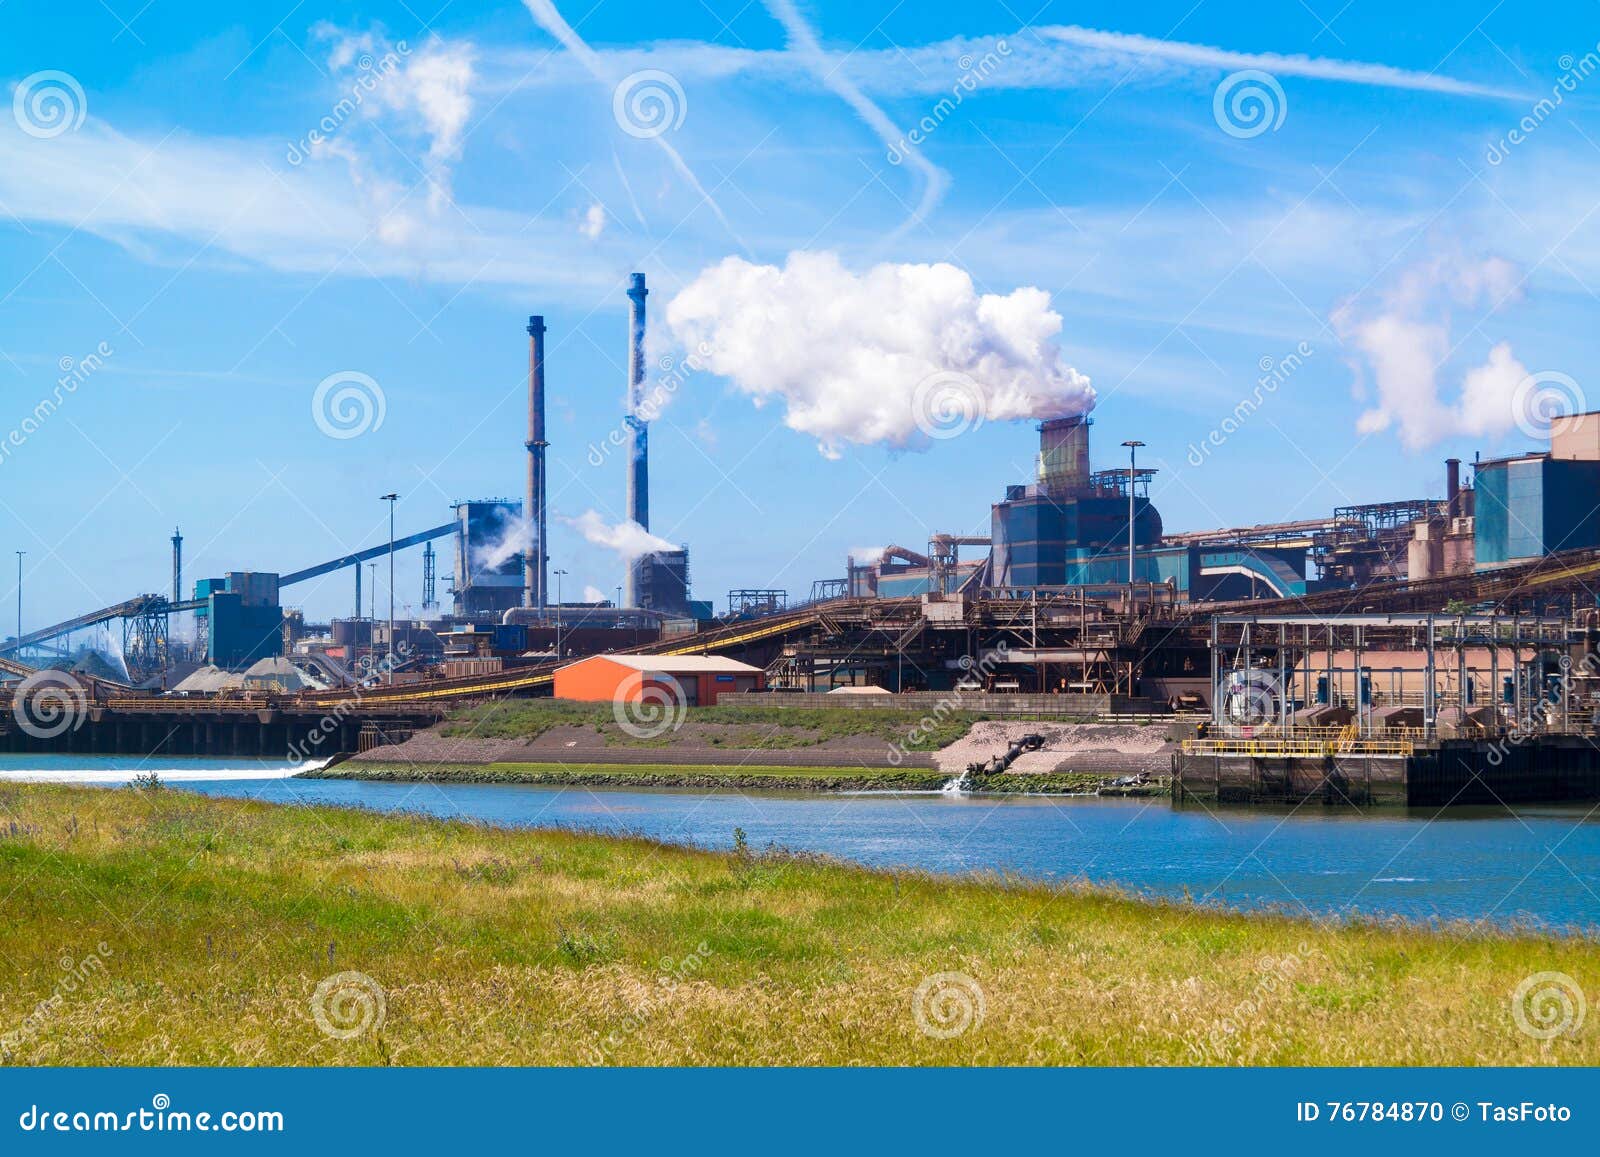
{"x":803,"y":41}
{"x":544,"y":12}
{"x":1042,"y":57}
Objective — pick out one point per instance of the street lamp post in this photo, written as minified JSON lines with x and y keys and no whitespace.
{"x":558,"y":575}
{"x":391,"y":499}
{"x":1133,"y":451}
{"x":20,"y":553}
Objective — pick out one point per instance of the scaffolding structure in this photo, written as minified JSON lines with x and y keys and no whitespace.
{"x":1349,"y":682}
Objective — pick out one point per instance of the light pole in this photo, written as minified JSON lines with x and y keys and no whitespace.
{"x":20,"y":553}
{"x":558,"y":575}
{"x":1133,"y":452}
{"x":391,"y":499}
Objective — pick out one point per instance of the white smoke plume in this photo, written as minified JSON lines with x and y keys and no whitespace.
{"x":1406,"y":344}
{"x":591,"y":594}
{"x":515,"y":540}
{"x":881,"y":356}
{"x":627,"y":538}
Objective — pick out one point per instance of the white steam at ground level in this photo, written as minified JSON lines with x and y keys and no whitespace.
{"x":900,"y":355}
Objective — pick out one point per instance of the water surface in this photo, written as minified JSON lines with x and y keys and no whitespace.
{"x":1534,"y":865}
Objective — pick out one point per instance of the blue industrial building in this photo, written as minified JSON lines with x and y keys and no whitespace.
{"x":242,"y":620}
{"x":1535,"y":504}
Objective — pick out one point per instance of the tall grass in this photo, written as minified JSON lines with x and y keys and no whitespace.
{"x":214,"y":922}
{"x":729,"y":725}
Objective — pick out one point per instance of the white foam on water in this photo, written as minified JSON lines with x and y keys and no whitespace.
{"x":110,"y":769}
{"x":957,"y":785}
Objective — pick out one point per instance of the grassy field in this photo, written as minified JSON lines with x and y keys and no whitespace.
{"x":734,"y":726}
{"x":157,"y":927}
{"x":732,"y":776}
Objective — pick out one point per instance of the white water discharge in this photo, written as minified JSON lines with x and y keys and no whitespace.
{"x":115,"y":769}
{"x":958,"y":784}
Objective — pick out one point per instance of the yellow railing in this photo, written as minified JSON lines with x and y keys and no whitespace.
{"x":1297,"y":746}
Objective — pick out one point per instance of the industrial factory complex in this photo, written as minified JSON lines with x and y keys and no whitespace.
{"x":1307,"y":652}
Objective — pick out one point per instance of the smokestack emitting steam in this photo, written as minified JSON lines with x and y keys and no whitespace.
{"x":896,"y":355}
{"x":639,"y":465}
{"x":535,"y":557}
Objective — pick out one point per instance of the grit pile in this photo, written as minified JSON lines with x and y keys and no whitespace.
{"x":1067,"y":746}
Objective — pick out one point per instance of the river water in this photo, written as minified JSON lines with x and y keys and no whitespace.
{"x":1538,"y":866}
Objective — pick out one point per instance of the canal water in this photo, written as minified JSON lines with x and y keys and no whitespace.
{"x":1538,"y":866}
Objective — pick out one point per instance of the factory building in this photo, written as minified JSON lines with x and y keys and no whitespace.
{"x":1070,"y":528}
{"x":1533,"y":504}
{"x":241,"y":621}
{"x":692,"y":680}
{"x":490,"y":566}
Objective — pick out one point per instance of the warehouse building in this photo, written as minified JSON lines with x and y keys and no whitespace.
{"x":696,"y":680}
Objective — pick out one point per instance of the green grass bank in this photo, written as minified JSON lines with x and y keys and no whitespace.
{"x":159,"y":927}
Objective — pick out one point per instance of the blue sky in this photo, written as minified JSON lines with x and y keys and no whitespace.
{"x":1384,"y":220}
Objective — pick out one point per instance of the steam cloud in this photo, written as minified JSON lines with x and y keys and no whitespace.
{"x":627,"y":538}
{"x":847,"y":353}
{"x":516,"y":540}
{"x":1405,"y":342}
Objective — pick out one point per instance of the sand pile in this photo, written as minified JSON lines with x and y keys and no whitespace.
{"x":1063,"y":741}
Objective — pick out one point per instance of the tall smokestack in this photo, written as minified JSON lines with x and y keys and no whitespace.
{"x":177,"y":565}
{"x":535,"y":560}
{"x":1452,"y":487}
{"x":639,"y":465}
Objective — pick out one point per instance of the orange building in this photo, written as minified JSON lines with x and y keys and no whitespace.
{"x":624,"y":678}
